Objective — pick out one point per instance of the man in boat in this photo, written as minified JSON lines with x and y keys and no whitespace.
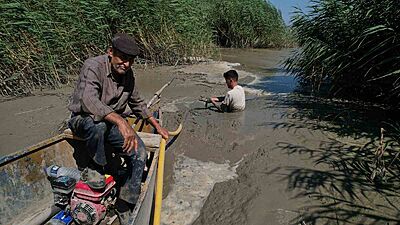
{"x":235,"y":99}
{"x":105,"y":88}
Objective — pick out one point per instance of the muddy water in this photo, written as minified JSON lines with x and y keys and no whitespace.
{"x":242,"y":140}
{"x":284,"y":160}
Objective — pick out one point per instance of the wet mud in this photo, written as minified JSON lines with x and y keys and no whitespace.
{"x":275,"y":163}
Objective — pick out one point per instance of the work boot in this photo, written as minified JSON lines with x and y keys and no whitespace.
{"x":94,"y":179}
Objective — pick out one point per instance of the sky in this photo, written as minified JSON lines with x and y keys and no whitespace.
{"x":286,"y":7}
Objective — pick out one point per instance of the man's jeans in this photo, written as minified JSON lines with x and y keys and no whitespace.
{"x":96,"y":135}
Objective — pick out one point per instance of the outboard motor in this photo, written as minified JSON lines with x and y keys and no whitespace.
{"x":90,"y":206}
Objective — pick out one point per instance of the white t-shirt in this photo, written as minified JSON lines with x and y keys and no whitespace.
{"x":235,"y":99}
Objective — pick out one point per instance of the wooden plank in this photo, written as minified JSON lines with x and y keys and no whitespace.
{"x":150,"y":140}
{"x":143,"y":212}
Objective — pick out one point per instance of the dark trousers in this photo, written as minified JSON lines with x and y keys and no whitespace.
{"x":96,"y":135}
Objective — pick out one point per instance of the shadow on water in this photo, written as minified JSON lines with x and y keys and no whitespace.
{"x":352,"y":186}
{"x":344,"y":193}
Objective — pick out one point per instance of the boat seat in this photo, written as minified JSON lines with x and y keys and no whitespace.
{"x":151,"y":141}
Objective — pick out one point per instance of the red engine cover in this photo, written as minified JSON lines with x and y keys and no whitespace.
{"x":87,"y":204}
{"x":83,"y":191}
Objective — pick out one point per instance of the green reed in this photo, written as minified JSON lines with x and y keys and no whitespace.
{"x":352,"y":46}
{"x":351,"y":49}
{"x":44,"y":43}
{"x":248,"y":23}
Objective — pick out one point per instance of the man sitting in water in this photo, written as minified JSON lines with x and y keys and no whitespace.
{"x":105,"y":88}
{"x":234,"y":99}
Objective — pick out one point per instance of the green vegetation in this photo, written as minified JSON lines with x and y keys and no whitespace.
{"x":248,"y":23}
{"x":353,"y":46}
{"x":351,"y":49}
{"x":43,"y":43}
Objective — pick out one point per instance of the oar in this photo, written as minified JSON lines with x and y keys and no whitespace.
{"x":156,"y":98}
{"x":157,"y":95}
{"x":160,"y":176}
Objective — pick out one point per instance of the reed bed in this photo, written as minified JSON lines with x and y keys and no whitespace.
{"x":43,"y":43}
{"x":351,"y":46}
{"x":248,"y":23}
{"x":351,"y":49}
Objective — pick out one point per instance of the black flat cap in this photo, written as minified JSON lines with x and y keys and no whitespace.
{"x":125,"y":44}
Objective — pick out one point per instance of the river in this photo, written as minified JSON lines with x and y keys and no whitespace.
{"x":289,"y":158}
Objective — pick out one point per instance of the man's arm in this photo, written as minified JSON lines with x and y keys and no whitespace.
{"x":139,"y":108}
{"x":214,"y":102}
{"x":217,"y":99}
{"x":130,"y":141}
{"x":162,"y":131}
{"x":220,"y":107}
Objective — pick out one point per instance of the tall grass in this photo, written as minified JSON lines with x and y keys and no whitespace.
{"x":353,"y":48}
{"x":170,"y":31}
{"x":43,"y":43}
{"x":351,"y":45}
{"x":248,"y":23}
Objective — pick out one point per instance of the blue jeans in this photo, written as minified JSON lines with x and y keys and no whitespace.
{"x":96,"y":135}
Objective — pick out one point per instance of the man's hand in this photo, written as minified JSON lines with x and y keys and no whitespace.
{"x":130,"y":141}
{"x":162,"y":131}
{"x":127,"y":132}
{"x":214,"y":99}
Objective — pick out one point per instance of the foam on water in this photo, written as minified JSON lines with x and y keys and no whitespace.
{"x":280,"y":84}
{"x":248,"y":87}
{"x":194,"y":181}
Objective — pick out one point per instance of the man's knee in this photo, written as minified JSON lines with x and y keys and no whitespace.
{"x":99,"y":130}
{"x":141,"y":151}
{"x":85,"y":127}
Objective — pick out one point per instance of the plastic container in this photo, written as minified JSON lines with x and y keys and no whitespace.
{"x":55,"y":171}
{"x":61,"y":218}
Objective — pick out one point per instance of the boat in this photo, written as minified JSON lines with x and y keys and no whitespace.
{"x":26,"y":194}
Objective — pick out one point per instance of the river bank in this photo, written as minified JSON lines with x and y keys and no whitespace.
{"x":274,"y":163}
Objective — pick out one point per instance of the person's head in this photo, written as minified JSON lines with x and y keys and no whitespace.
{"x":122,"y":52}
{"x":231,"y":78}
